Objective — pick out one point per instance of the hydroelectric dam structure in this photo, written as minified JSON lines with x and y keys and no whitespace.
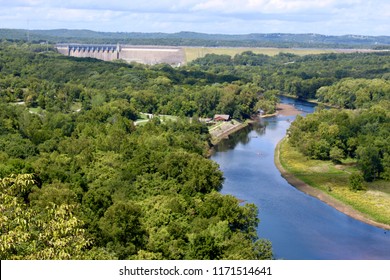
{"x":151,"y":55}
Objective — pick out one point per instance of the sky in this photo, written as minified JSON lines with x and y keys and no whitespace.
{"x":328,"y":17}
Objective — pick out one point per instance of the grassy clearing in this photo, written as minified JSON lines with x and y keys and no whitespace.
{"x":37,"y":110}
{"x":192,"y":53}
{"x":333,"y":180}
{"x":76,"y":106}
{"x":168,"y":118}
{"x":144,"y":118}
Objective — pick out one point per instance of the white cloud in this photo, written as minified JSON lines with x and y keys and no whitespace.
{"x":262,"y":6}
{"x":212,"y":16}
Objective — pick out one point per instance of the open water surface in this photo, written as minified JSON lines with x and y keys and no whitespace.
{"x":298,"y":225}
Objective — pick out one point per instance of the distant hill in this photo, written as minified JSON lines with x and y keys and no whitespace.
{"x":198,"y":39}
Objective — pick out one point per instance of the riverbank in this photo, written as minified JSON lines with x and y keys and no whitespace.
{"x":222,"y":130}
{"x":322,"y":195}
{"x":287,"y":110}
{"x":283,"y":110}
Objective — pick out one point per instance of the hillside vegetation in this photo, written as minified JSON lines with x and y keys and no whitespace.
{"x":81,"y":181}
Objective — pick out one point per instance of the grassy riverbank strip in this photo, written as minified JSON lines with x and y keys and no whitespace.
{"x":329,"y":183}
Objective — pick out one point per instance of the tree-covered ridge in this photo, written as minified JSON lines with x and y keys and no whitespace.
{"x":355,"y":93}
{"x":54,"y":83}
{"x":299,"y":76}
{"x":91,"y":178}
{"x":198,"y":39}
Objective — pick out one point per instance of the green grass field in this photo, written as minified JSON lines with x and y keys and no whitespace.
{"x":333,"y":180}
{"x":35,"y":110}
{"x":192,"y":53}
{"x":144,"y":118}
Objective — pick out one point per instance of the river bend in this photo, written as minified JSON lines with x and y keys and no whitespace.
{"x":298,"y":225}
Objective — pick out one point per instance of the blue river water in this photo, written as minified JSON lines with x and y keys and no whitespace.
{"x":299,"y":226}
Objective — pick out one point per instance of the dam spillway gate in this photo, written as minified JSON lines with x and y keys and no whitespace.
{"x":142,"y":54}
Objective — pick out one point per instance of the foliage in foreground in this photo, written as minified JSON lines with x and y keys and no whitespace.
{"x":27,"y":233}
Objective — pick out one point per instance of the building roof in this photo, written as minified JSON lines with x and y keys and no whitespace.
{"x":222,"y":117}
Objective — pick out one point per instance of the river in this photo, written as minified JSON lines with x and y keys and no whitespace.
{"x":299,"y":226}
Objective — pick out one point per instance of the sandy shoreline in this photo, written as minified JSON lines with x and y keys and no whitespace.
{"x":284,"y":110}
{"x":331,"y":201}
{"x":287,"y":110}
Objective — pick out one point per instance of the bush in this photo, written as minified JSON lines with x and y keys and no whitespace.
{"x":356,"y":182}
{"x":336,"y":155}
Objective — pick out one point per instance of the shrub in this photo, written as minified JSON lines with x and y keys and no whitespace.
{"x":356,"y":182}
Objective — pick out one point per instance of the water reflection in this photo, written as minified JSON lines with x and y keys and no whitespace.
{"x":240,"y":137}
{"x":243,"y":136}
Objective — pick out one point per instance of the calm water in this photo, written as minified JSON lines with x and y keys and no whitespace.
{"x":299,"y":226}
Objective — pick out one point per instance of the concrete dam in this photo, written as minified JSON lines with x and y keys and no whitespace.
{"x":151,"y":55}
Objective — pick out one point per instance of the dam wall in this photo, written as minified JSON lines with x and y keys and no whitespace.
{"x":141,"y":54}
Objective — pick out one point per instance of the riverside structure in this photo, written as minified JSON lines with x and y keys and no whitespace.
{"x":142,"y":54}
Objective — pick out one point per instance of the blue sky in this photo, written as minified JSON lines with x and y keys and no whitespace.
{"x":329,"y":17}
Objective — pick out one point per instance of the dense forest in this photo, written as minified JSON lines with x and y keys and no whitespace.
{"x":80,"y":180}
{"x":298,"y":76}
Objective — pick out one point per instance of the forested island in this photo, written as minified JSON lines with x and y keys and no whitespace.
{"x":82,"y":180}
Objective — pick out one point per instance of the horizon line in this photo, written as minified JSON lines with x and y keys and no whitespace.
{"x":196,"y":32}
